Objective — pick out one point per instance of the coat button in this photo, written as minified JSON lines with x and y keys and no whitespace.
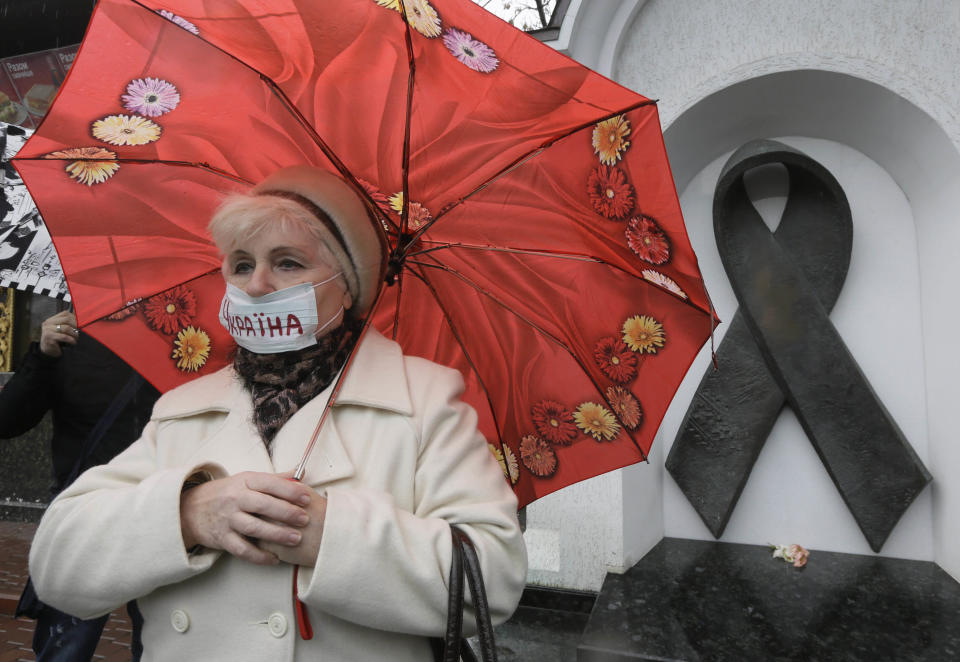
{"x":179,"y":620}
{"x":277,"y":624}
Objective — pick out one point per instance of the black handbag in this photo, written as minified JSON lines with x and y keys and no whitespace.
{"x":453,"y":647}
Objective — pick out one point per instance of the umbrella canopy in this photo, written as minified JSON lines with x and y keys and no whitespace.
{"x":536,"y":239}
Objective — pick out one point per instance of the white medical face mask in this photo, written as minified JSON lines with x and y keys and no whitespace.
{"x":280,"y":321}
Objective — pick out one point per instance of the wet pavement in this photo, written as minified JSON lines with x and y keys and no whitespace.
{"x":17,"y":633}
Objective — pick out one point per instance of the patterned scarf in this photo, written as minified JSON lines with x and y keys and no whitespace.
{"x":282,"y":383}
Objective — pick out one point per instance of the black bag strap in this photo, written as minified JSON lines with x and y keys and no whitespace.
{"x":452,"y":637}
{"x":471,"y":564}
{"x":107,"y":419}
{"x":466,"y":562}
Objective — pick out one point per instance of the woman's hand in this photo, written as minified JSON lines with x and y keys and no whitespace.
{"x":227,"y":512}
{"x":305,"y":552}
{"x":56,"y":330}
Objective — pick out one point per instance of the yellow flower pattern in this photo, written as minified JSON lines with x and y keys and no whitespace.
{"x":87,"y":172}
{"x":126,"y":130}
{"x":610,"y":139}
{"x":192,"y":347}
{"x":596,"y":421}
{"x":642,"y":333}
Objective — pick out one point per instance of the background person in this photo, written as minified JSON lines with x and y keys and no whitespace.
{"x":194,"y":519}
{"x":99,"y":406}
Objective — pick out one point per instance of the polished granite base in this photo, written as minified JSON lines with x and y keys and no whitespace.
{"x":546,"y":627}
{"x":702,"y":601}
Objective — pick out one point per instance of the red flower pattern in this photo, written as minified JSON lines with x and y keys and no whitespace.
{"x":647,"y":240}
{"x":554,"y":422}
{"x":615,"y":359}
{"x":625,"y":406}
{"x":610,"y":193}
{"x":170,"y":311}
{"x":537,"y":456}
{"x":125,"y":312}
{"x":378,"y":197}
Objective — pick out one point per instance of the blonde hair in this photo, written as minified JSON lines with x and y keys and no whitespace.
{"x":242,"y":216}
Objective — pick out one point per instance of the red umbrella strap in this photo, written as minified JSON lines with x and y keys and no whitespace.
{"x":300,"y":609}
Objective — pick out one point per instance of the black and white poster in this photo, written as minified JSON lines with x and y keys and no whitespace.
{"x":28,"y":260}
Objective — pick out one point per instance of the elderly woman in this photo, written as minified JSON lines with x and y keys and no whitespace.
{"x":199,"y":519}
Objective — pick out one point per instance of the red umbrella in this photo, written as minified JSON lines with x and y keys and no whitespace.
{"x":537,"y":241}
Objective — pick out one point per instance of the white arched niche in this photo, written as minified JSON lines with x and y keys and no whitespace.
{"x":789,"y":496}
{"x":608,"y":523}
{"x":900,"y":171}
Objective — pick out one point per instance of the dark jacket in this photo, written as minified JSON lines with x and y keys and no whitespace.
{"x":78,"y":388}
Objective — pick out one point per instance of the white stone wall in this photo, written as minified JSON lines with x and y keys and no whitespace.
{"x":679,"y":51}
{"x":870,"y":88}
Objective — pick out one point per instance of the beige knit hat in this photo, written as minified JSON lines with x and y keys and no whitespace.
{"x":354,"y":240}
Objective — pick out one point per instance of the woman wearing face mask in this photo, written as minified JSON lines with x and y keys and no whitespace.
{"x":199,"y":519}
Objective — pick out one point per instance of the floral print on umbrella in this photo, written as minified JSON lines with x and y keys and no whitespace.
{"x":664,"y":281}
{"x":498,"y":456}
{"x":596,"y":421}
{"x":88,"y":172}
{"x":647,"y":240}
{"x":418,"y":215}
{"x":642,"y":334}
{"x":471,"y":52}
{"x":554,"y":422}
{"x":538,"y":456}
{"x":182,"y":22}
{"x":171,"y":310}
{"x":509,"y":465}
{"x":611,"y":195}
{"x":507,"y":461}
{"x":126,"y":130}
{"x":125,"y":312}
{"x":615,"y":360}
{"x":422,"y":17}
{"x":625,"y":406}
{"x":149,"y":96}
{"x":378,"y":197}
{"x":610,"y":139}
{"x":191,"y":349}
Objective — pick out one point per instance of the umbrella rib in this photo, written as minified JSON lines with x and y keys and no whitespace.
{"x":561,"y":255}
{"x":463,"y":348}
{"x":324,"y":147}
{"x":166,"y":289}
{"x":540,"y":330}
{"x":190,"y":164}
{"x":301,"y":467}
{"x":116,"y":262}
{"x":405,"y":158}
{"x":505,"y":249}
{"x":520,"y":160}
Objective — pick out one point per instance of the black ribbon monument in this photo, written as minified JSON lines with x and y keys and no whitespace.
{"x":781,"y":347}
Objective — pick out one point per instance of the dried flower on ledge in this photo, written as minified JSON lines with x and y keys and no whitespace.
{"x":794,"y":554}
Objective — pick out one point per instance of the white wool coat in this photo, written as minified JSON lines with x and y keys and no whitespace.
{"x":398,"y":459}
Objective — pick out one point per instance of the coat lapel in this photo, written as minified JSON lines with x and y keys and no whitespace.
{"x":374,"y":379}
{"x":329,"y":460}
{"x":235,"y":445}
